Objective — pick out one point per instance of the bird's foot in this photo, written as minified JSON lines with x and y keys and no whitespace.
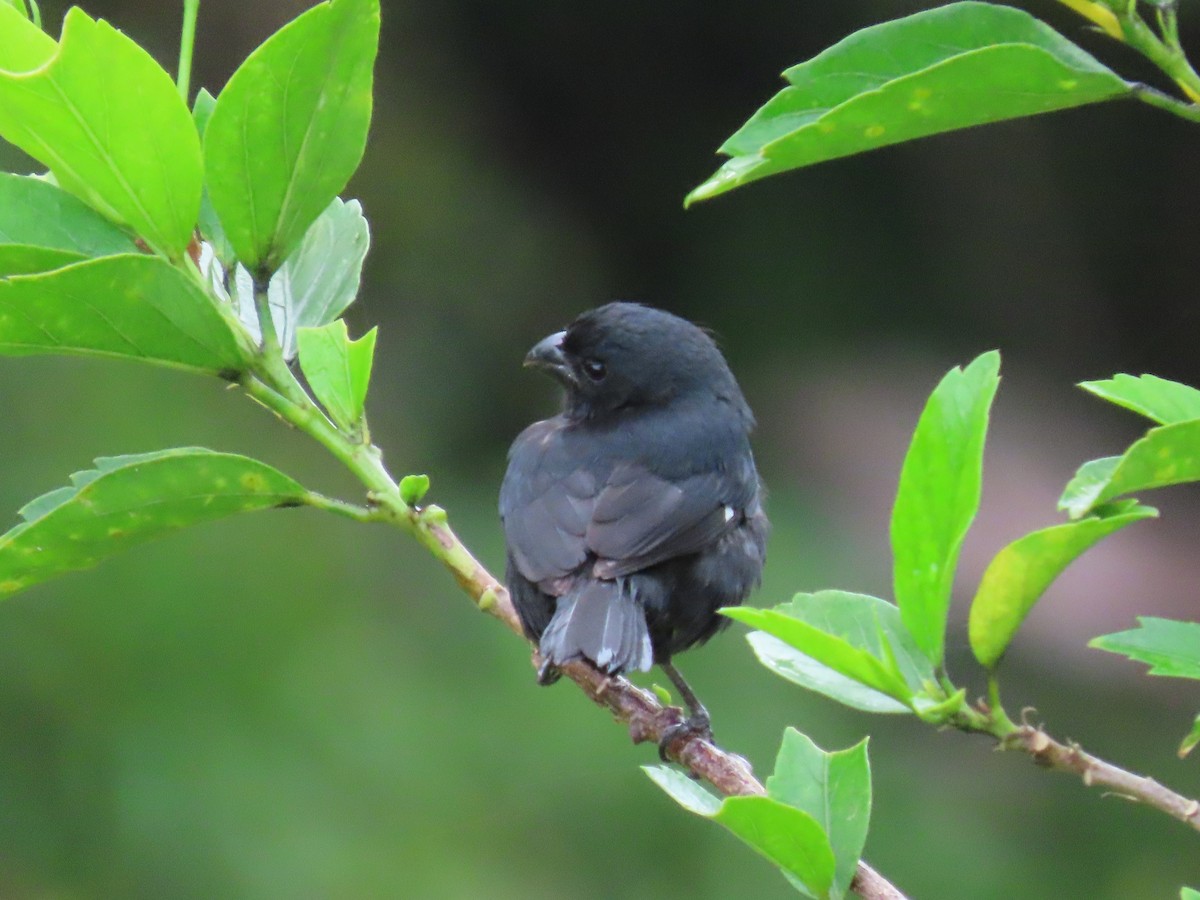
{"x":696,"y":725}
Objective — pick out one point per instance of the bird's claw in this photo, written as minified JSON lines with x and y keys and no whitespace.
{"x":697,"y":725}
{"x":548,"y":673}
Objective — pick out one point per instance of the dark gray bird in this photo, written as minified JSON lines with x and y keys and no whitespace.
{"x":636,"y":513}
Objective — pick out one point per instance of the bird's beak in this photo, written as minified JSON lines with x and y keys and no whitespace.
{"x":548,"y":354}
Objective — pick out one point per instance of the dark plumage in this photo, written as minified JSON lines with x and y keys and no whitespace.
{"x":636,"y":513}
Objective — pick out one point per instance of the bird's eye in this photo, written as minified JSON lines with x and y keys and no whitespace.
{"x":594,"y":369}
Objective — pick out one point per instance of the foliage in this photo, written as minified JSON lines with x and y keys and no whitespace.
{"x":955,"y":66}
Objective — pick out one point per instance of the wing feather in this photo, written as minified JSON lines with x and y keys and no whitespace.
{"x":562,"y":509}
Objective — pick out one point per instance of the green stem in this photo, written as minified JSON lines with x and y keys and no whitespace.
{"x":266,"y":322}
{"x":1002,"y":725}
{"x":187,"y":41}
{"x":1149,"y":95}
{"x":287,"y":400}
{"x":342,"y":508}
{"x":1162,"y":49}
{"x":1166,"y":54}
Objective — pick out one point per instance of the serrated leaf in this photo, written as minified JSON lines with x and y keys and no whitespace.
{"x":1020,"y":573}
{"x":127,"y":500}
{"x":290,"y":128}
{"x":106,"y":119}
{"x":956,"y":66}
{"x":1166,"y":402}
{"x":832,"y":651}
{"x":1167,"y":455}
{"x":833,"y":788}
{"x":36,"y":213}
{"x":338,"y":369}
{"x":135,"y":306}
{"x":1167,"y":646}
{"x":788,"y":837}
{"x":938,"y":496}
{"x":1190,"y":740}
{"x":317,"y":282}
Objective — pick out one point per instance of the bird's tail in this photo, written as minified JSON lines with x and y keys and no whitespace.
{"x":600,"y":622}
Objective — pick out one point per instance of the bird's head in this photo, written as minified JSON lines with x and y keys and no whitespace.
{"x":628,"y":357}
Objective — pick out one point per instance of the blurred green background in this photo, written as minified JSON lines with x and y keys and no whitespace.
{"x":289,"y":705}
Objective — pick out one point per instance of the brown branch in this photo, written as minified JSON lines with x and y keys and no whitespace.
{"x":647,"y":718}
{"x":1071,"y":758}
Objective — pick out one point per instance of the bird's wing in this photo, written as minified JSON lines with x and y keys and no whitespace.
{"x":557,"y":513}
{"x":641,"y":519}
{"x":546,"y":502}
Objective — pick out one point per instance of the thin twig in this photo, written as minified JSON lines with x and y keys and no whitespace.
{"x":1097,"y":773}
{"x":640,"y":710}
{"x":273,"y":385}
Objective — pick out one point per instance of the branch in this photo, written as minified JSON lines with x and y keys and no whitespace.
{"x":273,"y":385}
{"x":1071,"y":758}
{"x":647,"y":718}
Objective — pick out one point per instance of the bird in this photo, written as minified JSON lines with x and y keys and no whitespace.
{"x":634,"y":514}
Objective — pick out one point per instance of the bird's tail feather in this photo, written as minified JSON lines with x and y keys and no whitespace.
{"x":600,"y":622}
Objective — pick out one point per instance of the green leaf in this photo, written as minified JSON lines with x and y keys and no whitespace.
{"x":290,"y":128}
{"x":683,"y":790}
{"x":1188,"y":894}
{"x":938,"y":497}
{"x":1166,"y":402}
{"x":855,"y":653}
{"x":209,"y":224}
{"x":1086,"y":485}
{"x":35,"y":212}
{"x":22,"y":259}
{"x":413,"y":489}
{"x":1188,"y":744}
{"x":133,"y":306}
{"x":106,"y":119}
{"x":338,"y":369}
{"x":1020,"y":573}
{"x":871,"y":627}
{"x":1169,"y":647}
{"x":956,"y":66}
{"x":833,"y":788}
{"x":788,"y":837}
{"x":317,"y":282}
{"x":800,"y":668}
{"x":18,"y":5}
{"x":1167,"y":455}
{"x":127,"y":500}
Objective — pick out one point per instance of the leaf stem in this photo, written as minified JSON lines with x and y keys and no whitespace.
{"x":342,"y":508}
{"x":1163,"y":50}
{"x":1002,"y":725}
{"x":1155,"y":97}
{"x":266,"y":322}
{"x":187,"y":41}
{"x":1166,"y":53}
